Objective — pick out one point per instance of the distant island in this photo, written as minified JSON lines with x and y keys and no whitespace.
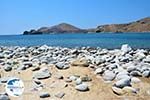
{"x":142,"y":25}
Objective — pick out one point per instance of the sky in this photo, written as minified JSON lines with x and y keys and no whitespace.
{"x":17,"y":16}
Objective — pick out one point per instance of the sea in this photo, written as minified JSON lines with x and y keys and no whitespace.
{"x":102,"y":40}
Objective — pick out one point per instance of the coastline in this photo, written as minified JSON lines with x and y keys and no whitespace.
{"x":82,"y":73}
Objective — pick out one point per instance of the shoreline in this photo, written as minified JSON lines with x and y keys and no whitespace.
{"x":83,"y":73}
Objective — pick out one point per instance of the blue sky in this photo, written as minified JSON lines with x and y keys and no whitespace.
{"x":17,"y":16}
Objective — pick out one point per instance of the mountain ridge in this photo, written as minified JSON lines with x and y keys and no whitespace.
{"x":142,"y":25}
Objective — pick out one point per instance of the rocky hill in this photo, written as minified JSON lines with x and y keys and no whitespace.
{"x":142,"y":25}
{"x":60,"y":28}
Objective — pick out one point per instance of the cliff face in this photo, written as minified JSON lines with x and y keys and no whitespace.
{"x":142,"y":25}
{"x":60,"y":28}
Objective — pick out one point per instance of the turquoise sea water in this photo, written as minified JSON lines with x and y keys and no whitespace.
{"x":103,"y":40}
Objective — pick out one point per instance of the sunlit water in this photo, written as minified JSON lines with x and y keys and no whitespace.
{"x":103,"y":40}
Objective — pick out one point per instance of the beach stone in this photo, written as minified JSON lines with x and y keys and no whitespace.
{"x":122,"y":83}
{"x":117,"y":91}
{"x":27,"y":63}
{"x":60,"y":65}
{"x":82,"y":87}
{"x":42,"y":73}
{"x":21,"y":67}
{"x":78,"y":81}
{"x":60,"y":94}
{"x":123,"y":76}
{"x":98,"y":60}
{"x":128,"y":89}
{"x":38,"y":82}
{"x":126,"y":48}
{"x":131,"y":68}
{"x":108,"y":75}
{"x":135,"y":80}
{"x":80,"y":62}
{"x":99,"y":71}
{"x":7,"y":68}
{"x":4,"y":97}
{"x":44,"y":95}
{"x":73,"y":77}
{"x":146,"y":73}
{"x":147,"y":59}
{"x":135,"y":73}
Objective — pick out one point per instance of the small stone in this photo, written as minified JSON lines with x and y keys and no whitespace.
{"x":126,"y":48}
{"x":146,"y":73}
{"x":42,"y":73}
{"x":82,"y":87}
{"x":78,"y":81}
{"x":135,"y":73}
{"x":108,"y":75}
{"x":60,"y":65}
{"x":135,"y":80}
{"x":128,"y":89}
{"x":44,"y":95}
{"x":99,"y":71}
{"x":117,"y":91}
{"x":7,"y":68}
{"x":73,"y":77}
{"x":125,"y":76}
{"x":60,"y":95}
{"x":122,"y":83}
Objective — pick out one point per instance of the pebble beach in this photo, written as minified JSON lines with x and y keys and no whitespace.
{"x":85,"y":73}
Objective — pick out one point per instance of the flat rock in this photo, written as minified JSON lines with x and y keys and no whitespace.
{"x":42,"y":73}
{"x":60,"y":94}
{"x":128,"y":89}
{"x":60,"y":65}
{"x":122,"y":83}
{"x":44,"y":95}
{"x":117,"y":91}
{"x":82,"y":87}
{"x":135,"y":73}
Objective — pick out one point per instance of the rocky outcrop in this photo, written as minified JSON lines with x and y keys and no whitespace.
{"x":142,"y":25}
{"x":60,"y":28}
